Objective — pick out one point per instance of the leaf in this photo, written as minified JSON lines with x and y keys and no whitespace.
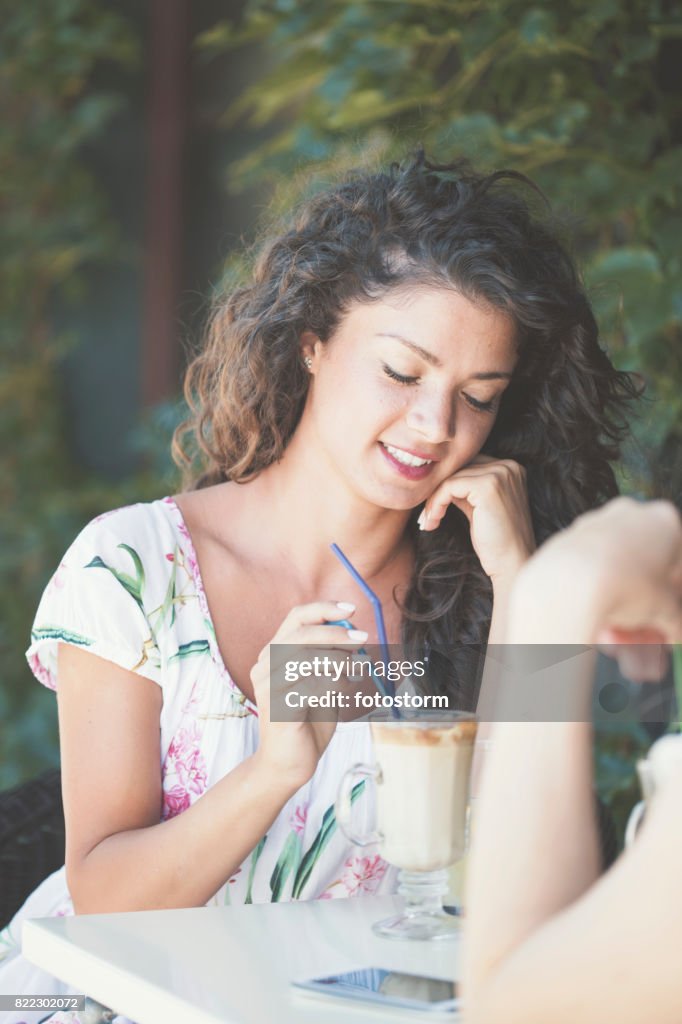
{"x":169,"y":597}
{"x":255,"y":856}
{"x":137,"y":561}
{"x":287,"y":862}
{"x":629,"y":260}
{"x":190,"y":649}
{"x":326,"y":831}
{"x":537,"y":26}
{"x":677,"y":676}
{"x":59,"y":633}
{"x":126,"y":581}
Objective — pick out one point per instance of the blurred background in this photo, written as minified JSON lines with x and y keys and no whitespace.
{"x":141,"y":142}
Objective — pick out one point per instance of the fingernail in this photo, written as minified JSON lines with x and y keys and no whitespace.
{"x":421,"y":522}
{"x":345,"y":606}
{"x":358,"y":635}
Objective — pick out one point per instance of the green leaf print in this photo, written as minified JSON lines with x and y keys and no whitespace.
{"x":137,"y":562}
{"x":58,"y":633}
{"x":327,"y":829}
{"x":173,"y":596}
{"x":169,"y":599}
{"x":288,"y":861}
{"x":252,"y":870}
{"x":193,"y":647}
{"x":133,"y":586}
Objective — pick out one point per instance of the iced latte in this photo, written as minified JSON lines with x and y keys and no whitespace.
{"x":423,"y":790}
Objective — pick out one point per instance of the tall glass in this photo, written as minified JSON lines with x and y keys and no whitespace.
{"x":422,"y":774}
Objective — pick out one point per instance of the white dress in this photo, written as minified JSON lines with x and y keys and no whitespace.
{"x":129,"y":589}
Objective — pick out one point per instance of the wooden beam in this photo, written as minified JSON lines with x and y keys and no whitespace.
{"x":166,"y":126}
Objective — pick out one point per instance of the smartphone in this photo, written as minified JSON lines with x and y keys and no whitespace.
{"x":388,"y":988}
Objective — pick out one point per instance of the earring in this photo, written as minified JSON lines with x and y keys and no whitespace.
{"x":308,"y":363}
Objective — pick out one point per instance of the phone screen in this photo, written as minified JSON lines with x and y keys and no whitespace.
{"x":378,"y":985}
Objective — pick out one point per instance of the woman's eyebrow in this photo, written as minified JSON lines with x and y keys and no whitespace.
{"x":429,"y":357}
{"x":493,"y":375}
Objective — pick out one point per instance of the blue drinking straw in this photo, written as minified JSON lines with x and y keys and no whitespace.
{"x":376,"y":606}
{"x":347,"y":624}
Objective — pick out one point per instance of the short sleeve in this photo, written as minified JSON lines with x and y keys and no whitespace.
{"x":96,"y":601}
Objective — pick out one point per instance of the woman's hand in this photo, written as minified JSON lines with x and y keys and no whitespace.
{"x":293,"y":749}
{"x":614,"y":576}
{"x":492,"y":494}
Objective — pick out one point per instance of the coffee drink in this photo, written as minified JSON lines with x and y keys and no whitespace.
{"x":423,"y":789}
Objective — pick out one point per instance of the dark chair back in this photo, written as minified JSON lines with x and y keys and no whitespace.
{"x":31,"y":839}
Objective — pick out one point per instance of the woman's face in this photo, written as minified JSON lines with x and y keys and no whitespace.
{"x":406,"y":391}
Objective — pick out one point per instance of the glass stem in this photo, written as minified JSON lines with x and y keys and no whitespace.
{"x":423,"y":891}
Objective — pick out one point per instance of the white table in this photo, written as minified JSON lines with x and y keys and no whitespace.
{"x":230,"y":965}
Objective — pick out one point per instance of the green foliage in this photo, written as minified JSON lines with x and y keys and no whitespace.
{"x":616,"y":751}
{"x":53,"y":225}
{"x":582,"y":95}
{"x":677,"y":674}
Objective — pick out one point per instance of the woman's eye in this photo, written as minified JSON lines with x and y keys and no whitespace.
{"x":399,"y":377}
{"x":480,"y":406}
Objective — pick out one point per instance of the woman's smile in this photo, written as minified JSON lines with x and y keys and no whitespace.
{"x":409,"y":464}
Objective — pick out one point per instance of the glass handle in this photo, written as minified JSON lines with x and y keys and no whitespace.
{"x":344,"y":803}
{"x":634,"y":821}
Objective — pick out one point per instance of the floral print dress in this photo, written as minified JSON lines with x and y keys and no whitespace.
{"x":129,"y":590}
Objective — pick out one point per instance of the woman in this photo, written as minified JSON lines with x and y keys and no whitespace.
{"x":414,"y":350}
{"x":547,"y":937}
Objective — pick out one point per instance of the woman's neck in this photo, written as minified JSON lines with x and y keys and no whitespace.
{"x":293,"y":514}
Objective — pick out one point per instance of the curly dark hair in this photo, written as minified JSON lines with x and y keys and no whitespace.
{"x":562,"y":417}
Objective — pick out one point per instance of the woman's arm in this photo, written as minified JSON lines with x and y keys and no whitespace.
{"x":543,"y":942}
{"x":119,"y":855}
{"x":610,"y":954}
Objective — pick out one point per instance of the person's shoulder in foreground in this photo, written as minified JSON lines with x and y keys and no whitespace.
{"x":547,"y":937}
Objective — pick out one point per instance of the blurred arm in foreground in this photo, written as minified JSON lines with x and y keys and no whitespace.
{"x":546,"y":937}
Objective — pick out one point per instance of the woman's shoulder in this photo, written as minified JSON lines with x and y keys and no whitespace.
{"x":145,"y":528}
{"x":114,"y":575}
{"x":144,"y":517}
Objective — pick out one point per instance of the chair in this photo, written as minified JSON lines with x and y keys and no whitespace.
{"x":31,"y":838}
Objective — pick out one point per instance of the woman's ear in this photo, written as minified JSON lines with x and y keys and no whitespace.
{"x":310,"y":350}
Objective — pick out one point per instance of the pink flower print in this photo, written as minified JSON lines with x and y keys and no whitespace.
{"x":189,"y":556}
{"x":184,"y":743}
{"x":191,"y":705}
{"x":192,"y":772}
{"x":185,"y":758}
{"x":65,"y":909}
{"x":58,"y":578}
{"x":363,"y":875}
{"x":170,"y":557}
{"x":189,"y":553}
{"x":42,"y":674}
{"x":175,"y":801}
{"x":111,"y":512}
{"x":298,"y":819}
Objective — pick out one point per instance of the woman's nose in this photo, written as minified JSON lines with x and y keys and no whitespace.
{"x":432,"y":415}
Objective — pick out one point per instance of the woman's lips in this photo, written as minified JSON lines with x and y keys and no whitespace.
{"x":406,"y":471}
